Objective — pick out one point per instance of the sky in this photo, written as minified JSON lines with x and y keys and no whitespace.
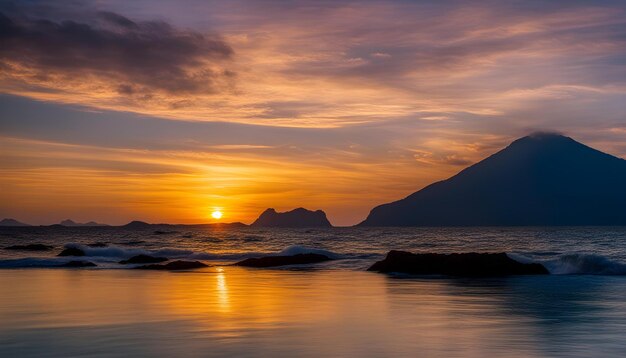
{"x":165,"y":111}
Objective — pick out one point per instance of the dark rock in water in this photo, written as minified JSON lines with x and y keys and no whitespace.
{"x":174,"y":265}
{"x":463,"y":264}
{"x":78,"y":264}
{"x":72,"y":251}
{"x":542,"y":180}
{"x":143,"y":259}
{"x":295,"y":218}
{"x":273,"y":261}
{"x":98,"y":244}
{"x":30,"y":247}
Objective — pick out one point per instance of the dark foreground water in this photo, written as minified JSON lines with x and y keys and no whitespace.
{"x":332,"y":309}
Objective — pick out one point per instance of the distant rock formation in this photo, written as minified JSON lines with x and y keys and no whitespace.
{"x":274,"y":261}
{"x":463,"y":264}
{"x":71,"y":223}
{"x":543,"y":180}
{"x":299,"y":217}
{"x":141,"y":225}
{"x":11,"y":222}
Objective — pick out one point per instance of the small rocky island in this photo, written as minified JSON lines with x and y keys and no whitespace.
{"x":299,"y":217}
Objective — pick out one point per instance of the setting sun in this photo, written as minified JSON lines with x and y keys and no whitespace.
{"x":216,"y":214}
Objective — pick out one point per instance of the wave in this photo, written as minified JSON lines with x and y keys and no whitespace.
{"x":297,"y":249}
{"x":577,"y":264}
{"x":119,"y":252}
{"x":110,"y":256}
{"x":288,"y":251}
{"x":124,"y":253}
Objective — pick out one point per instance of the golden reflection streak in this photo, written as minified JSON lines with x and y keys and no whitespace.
{"x":222,"y":291}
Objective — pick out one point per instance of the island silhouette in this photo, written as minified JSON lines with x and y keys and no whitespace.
{"x":544,"y":179}
{"x":299,"y":217}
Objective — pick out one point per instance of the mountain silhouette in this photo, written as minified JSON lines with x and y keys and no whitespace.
{"x":299,"y":217}
{"x":543,"y":179}
{"x":11,"y":222}
{"x":141,"y":225}
{"x":70,"y":222}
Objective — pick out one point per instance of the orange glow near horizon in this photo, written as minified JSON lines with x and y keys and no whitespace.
{"x":245,"y":108}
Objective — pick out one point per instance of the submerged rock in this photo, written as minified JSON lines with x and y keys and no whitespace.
{"x":30,"y":247}
{"x":72,"y":251}
{"x":78,"y":264}
{"x":143,"y":259}
{"x":175,"y":265}
{"x":458,"y":264}
{"x":272,"y":261}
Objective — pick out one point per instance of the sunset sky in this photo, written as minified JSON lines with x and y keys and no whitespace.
{"x":164,"y":111}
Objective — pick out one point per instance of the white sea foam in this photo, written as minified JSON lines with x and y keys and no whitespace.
{"x":577,"y":264}
{"x":119,"y":252}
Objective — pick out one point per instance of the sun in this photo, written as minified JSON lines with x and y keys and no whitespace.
{"x":216,"y":214}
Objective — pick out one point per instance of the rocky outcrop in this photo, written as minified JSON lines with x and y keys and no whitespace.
{"x":295,"y":218}
{"x":273,"y":261}
{"x":457,"y":264}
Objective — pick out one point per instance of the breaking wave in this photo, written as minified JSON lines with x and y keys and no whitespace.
{"x":110,"y":255}
{"x":577,"y":264}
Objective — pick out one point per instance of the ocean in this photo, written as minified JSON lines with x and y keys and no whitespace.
{"x":335,"y":308}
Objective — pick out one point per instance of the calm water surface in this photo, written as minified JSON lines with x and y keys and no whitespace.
{"x":334,"y":309}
